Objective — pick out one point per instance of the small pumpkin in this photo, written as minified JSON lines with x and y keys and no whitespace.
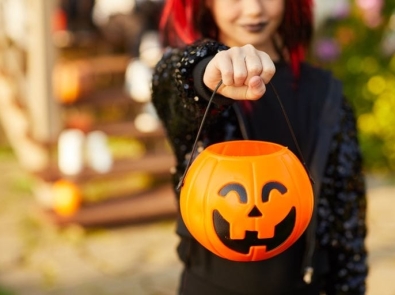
{"x":246,"y":200}
{"x":66,"y":197}
{"x":71,"y":80}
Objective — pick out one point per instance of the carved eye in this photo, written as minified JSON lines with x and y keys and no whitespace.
{"x":236,"y":187}
{"x":268,"y":187}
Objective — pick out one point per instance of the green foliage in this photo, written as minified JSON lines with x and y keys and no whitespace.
{"x":5,"y":292}
{"x":362,"y":56}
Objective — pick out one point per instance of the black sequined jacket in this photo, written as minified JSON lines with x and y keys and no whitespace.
{"x":341,"y":228}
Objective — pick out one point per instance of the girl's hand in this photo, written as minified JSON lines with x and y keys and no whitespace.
{"x":244,"y":72}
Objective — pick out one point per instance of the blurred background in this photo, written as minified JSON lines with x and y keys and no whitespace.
{"x":85,"y":204}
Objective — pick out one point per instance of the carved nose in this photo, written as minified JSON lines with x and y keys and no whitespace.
{"x":255,"y":212}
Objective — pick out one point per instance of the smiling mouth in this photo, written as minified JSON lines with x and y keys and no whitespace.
{"x":281,"y":232}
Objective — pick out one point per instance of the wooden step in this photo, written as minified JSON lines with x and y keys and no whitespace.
{"x":152,"y":205}
{"x":128,"y":129}
{"x":158,"y":164}
{"x":74,"y":79}
{"x":102,"y":98}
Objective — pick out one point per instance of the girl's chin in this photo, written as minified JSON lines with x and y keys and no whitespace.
{"x":258,"y":40}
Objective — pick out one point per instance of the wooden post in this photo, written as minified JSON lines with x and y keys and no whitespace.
{"x":30,"y":154}
{"x":30,"y":118}
{"x":43,"y":108}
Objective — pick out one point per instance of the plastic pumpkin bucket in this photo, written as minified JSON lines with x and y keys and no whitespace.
{"x":246,"y":200}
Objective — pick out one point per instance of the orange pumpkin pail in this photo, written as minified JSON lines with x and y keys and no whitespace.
{"x":246,"y":200}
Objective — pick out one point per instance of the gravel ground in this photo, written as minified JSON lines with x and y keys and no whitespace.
{"x":37,"y":258}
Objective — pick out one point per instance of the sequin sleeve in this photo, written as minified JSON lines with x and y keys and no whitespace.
{"x":173,"y":94}
{"x":342,"y":210}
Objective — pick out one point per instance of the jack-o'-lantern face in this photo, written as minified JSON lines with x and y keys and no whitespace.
{"x":246,"y":200}
{"x":269,"y":230}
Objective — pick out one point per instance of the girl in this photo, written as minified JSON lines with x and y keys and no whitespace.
{"x":249,"y":45}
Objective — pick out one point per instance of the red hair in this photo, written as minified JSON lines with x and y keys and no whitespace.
{"x":184,"y":21}
{"x":178,"y":23}
{"x":296,"y":30}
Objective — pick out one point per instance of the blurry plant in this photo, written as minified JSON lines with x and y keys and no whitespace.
{"x":6,"y":152}
{"x":360,"y":49}
{"x":22,"y":184}
{"x":5,"y":292}
{"x":370,"y":11}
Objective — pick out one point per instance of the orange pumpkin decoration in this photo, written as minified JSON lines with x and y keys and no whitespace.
{"x":71,"y":80}
{"x":66,"y":197}
{"x":246,"y":200}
